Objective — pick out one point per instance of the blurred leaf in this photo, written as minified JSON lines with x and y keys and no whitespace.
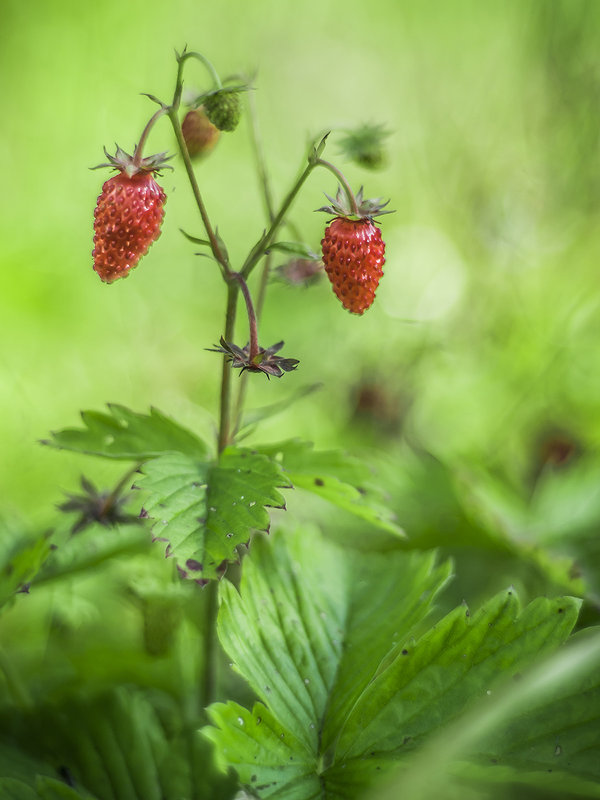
{"x":540,"y":731}
{"x":343,"y":480}
{"x":91,"y":549}
{"x":266,"y":412}
{"x":18,"y":766}
{"x":115,"y":746}
{"x":51,"y":789}
{"x":205,"y":509}
{"x":13,"y":789}
{"x":126,"y":435}
{"x":293,"y":248}
{"x":20,"y":563}
{"x":333,"y":705}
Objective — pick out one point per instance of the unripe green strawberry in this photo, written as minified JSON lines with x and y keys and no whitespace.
{"x":223,"y":109}
{"x":199,"y":133}
{"x":365,"y":146}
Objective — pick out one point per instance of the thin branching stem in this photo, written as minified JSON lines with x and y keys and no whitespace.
{"x":217,"y":251}
{"x":251,"y":315}
{"x":137,"y":156}
{"x":265,"y":185}
{"x":263,"y":243}
{"x":225,"y":405}
{"x":321,"y":162}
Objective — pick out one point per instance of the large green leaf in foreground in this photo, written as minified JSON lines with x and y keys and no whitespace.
{"x":349,"y":684}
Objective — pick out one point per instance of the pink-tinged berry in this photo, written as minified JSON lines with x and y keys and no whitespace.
{"x":128,"y":215}
{"x":199,"y":133}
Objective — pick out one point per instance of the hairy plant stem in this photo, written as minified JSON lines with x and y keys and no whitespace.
{"x":218,"y":253}
{"x":137,"y":156}
{"x":110,"y":499}
{"x":208,"y":680}
{"x":181,"y":59}
{"x":209,"y":667}
{"x":225,"y":407}
{"x":263,"y":178}
{"x":251,"y":314}
{"x":259,"y":156}
{"x":263,"y":243}
{"x":343,"y":182}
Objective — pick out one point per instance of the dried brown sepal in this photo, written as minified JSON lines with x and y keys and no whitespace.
{"x":264,"y":361}
{"x":300,"y":271}
{"x":94,"y":506}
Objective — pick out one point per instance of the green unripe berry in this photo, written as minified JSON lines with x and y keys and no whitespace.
{"x":223,"y":109}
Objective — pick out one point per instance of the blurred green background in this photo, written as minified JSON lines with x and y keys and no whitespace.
{"x":473,"y":380}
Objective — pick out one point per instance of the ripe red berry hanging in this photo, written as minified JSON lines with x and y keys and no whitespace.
{"x":128,"y":215}
{"x":353,"y":250}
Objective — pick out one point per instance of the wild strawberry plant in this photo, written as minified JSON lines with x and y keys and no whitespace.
{"x":352,"y":684}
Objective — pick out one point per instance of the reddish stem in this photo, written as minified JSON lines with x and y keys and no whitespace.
{"x":251,"y":314}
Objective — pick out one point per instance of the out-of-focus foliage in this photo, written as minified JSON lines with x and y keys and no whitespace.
{"x":472,"y":385}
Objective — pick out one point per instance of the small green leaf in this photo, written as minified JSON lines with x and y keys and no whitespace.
{"x":204,"y":510}
{"x":293,"y":248}
{"x":343,"y":480}
{"x":126,"y":435}
{"x":257,"y":415}
{"x":20,"y":563}
{"x":189,"y":237}
{"x":89,"y":550}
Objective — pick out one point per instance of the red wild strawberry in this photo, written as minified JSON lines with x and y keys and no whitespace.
{"x":353,"y":251}
{"x":128,"y":215}
{"x":353,"y":254}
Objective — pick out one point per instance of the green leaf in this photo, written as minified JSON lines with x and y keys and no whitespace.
{"x":13,"y":789}
{"x":539,"y":731}
{"x":308,"y":631}
{"x":51,"y":789}
{"x":257,"y":415}
{"x":90,"y":549}
{"x":20,"y":562}
{"x":348,"y":685}
{"x":428,"y":682}
{"x":194,"y":239}
{"x":118,"y":748}
{"x":204,"y":510}
{"x":126,"y":435}
{"x":343,"y":480}
{"x":293,"y":248}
